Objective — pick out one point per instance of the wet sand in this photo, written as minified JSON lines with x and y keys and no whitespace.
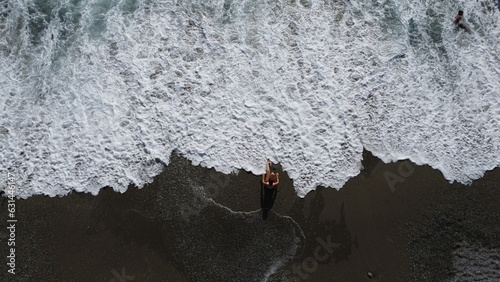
{"x":393,"y":222}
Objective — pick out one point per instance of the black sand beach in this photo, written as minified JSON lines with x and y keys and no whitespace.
{"x":393,"y":222}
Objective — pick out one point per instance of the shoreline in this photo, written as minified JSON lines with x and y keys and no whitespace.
{"x":392,"y":222}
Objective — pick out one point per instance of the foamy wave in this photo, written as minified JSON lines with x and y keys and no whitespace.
{"x":101,"y":94}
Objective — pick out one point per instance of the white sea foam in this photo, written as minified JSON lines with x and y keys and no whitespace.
{"x":99,"y":93}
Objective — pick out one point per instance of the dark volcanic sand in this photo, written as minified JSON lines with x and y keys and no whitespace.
{"x":411,"y":230}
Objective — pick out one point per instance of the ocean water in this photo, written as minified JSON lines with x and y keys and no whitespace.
{"x":99,"y":93}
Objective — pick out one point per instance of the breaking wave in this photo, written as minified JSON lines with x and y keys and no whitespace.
{"x":100,"y":93}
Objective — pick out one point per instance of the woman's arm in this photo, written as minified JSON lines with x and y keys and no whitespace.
{"x":277,"y":179}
